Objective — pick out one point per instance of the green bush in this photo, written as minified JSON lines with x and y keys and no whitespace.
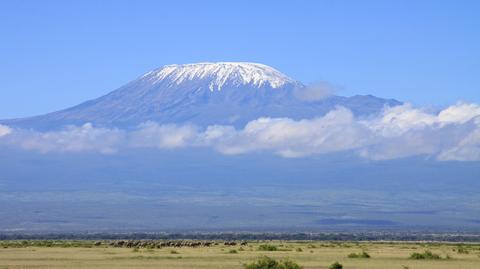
{"x":270,"y":263}
{"x":267,"y":247}
{"x":363,"y":255}
{"x":233,"y":251}
{"x":427,"y":255}
{"x":335,"y":265}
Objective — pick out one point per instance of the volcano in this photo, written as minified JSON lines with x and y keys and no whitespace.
{"x":202,"y":94}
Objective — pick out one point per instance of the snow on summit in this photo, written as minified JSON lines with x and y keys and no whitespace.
{"x":220,"y":74}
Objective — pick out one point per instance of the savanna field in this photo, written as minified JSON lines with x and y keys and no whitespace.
{"x":250,"y":255}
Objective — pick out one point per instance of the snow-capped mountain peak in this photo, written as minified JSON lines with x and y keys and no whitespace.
{"x":221,"y":74}
{"x":203,"y":94}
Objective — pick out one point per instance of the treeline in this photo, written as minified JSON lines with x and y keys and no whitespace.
{"x":367,"y":236}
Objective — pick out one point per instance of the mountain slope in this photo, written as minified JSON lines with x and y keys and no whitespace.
{"x":202,"y":94}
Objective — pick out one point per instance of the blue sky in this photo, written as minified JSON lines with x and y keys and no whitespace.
{"x":55,"y":54}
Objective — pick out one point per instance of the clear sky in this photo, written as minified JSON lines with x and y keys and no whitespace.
{"x":55,"y":54}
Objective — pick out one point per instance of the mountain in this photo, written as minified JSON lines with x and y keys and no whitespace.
{"x":202,"y":94}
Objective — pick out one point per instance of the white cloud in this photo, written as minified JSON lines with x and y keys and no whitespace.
{"x":336,"y":131}
{"x":395,"y":121}
{"x":406,"y":131}
{"x":315,"y":92}
{"x":83,"y":138}
{"x":4,"y":130}
{"x":468,"y":149}
{"x":398,"y":132}
{"x":402,"y":131}
{"x":459,"y":113}
{"x":153,"y":135}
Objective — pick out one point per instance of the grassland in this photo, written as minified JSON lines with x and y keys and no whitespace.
{"x":318,"y":254}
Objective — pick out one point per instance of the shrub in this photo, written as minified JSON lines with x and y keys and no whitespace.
{"x":363,"y":255}
{"x":298,"y":249}
{"x":287,"y":264}
{"x":270,"y":263}
{"x":267,"y":247}
{"x":352,"y":255}
{"x":335,"y":265}
{"x":174,"y":252}
{"x":233,"y":251}
{"x":427,"y":255}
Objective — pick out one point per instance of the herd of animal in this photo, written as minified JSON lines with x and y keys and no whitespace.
{"x":171,"y":243}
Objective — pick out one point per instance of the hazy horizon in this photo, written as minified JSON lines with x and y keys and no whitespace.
{"x":312,"y":116}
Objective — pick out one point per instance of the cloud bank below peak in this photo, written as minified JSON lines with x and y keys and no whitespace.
{"x":4,"y":130}
{"x":397,"y":132}
{"x":315,"y":92}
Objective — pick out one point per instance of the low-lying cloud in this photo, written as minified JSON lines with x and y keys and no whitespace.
{"x":168,"y":136}
{"x":4,"y":130}
{"x":315,"y":92}
{"x":71,"y":139}
{"x":398,"y":132}
{"x":336,"y":131}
